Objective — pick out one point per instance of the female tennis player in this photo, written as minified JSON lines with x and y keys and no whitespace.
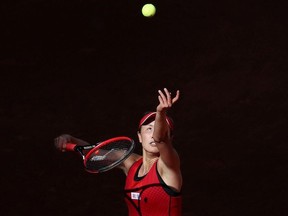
{"x":153,"y":179}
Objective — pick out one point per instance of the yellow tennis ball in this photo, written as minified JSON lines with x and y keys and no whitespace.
{"x":148,"y":10}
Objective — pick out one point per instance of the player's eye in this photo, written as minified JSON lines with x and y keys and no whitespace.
{"x":149,"y":128}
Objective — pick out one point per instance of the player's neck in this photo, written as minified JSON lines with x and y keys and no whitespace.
{"x":147,"y":164}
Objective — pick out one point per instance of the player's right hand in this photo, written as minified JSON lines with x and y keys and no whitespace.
{"x":61,"y":141}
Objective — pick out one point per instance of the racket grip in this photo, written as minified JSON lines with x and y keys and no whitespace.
{"x":70,"y":147}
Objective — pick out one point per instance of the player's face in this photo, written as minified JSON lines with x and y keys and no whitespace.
{"x":145,"y":137}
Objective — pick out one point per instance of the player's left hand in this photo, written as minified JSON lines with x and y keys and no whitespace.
{"x":166,"y":100}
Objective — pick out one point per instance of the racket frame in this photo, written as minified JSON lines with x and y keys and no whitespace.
{"x":94,"y":148}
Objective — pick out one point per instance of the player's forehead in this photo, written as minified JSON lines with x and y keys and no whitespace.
{"x":151,"y":123}
{"x":147,"y":126}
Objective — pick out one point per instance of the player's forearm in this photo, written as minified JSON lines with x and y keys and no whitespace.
{"x":160,"y":127}
{"x":67,"y":138}
{"x":79,"y":141}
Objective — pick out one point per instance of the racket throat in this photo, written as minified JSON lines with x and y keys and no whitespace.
{"x":80,"y":150}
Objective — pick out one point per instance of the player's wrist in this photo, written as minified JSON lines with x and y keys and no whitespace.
{"x":161,"y":112}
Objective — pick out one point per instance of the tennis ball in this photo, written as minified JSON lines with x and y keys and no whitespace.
{"x":148,"y":10}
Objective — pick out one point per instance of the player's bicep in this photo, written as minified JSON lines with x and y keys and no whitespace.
{"x":170,"y":158}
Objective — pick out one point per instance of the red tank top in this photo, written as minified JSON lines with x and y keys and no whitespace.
{"x":149,"y":195}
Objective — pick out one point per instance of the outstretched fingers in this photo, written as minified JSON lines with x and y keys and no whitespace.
{"x":176,"y":97}
{"x":165,"y":98}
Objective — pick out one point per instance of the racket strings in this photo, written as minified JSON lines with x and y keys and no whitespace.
{"x":108,"y":156}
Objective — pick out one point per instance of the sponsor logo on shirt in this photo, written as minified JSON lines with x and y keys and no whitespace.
{"x":135,"y":196}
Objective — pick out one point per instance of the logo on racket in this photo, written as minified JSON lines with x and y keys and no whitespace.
{"x":103,"y":157}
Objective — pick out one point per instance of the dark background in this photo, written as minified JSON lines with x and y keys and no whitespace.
{"x":92,"y":68}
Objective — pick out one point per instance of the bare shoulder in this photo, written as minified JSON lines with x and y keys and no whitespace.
{"x":125,"y":166}
{"x":133,"y":158}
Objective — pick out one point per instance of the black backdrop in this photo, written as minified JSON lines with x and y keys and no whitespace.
{"x":92,"y":68}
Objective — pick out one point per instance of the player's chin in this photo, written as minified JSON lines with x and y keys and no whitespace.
{"x":153,"y":148}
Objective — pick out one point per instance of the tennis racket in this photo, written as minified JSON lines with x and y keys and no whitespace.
{"x":104,"y":155}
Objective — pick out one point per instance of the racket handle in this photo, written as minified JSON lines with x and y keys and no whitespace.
{"x":70,"y":147}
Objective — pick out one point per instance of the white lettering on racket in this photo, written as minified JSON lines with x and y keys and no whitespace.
{"x":102,"y":157}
